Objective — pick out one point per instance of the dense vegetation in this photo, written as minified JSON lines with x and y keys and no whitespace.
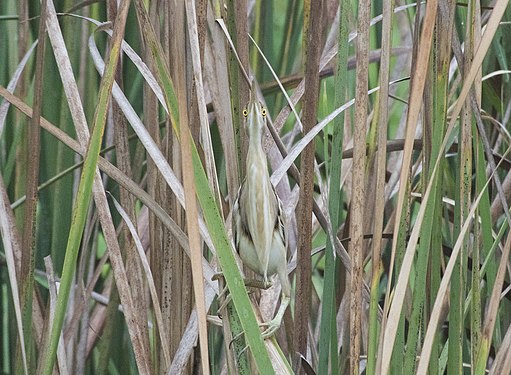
{"x":122,"y":148}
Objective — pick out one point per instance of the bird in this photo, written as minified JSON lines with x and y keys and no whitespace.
{"x":259,"y":226}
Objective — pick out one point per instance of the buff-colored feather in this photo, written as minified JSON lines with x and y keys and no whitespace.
{"x":258,"y":220}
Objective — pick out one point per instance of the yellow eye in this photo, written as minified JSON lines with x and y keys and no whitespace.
{"x":245,"y":113}
{"x":263,"y":111}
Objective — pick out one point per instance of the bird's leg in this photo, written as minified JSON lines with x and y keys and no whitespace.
{"x":274,"y":324}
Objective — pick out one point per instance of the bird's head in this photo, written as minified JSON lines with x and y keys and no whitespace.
{"x":254,"y":114}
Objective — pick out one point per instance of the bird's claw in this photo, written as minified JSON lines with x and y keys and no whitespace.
{"x":271,"y":327}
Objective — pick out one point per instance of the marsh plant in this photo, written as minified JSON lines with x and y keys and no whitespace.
{"x":378,"y":139}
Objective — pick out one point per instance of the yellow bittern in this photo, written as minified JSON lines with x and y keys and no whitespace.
{"x":258,"y":219}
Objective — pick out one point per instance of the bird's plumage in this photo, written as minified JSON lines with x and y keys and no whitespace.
{"x":269,"y":221}
{"x":258,"y":218}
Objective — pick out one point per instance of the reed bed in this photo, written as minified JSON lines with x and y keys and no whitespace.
{"x":122,"y":148}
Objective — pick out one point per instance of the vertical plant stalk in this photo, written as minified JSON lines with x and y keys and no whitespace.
{"x":11,"y":242}
{"x":482,"y":247}
{"x":381,"y":162}
{"x":29,"y":227}
{"x":289,"y":46}
{"x":436,"y":104}
{"x":328,"y":341}
{"x":170,"y":264}
{"x":356,"y":248}
{"x":493,"y":309}
{"x":463,"y":197}
{"x":189,"y":188}
{"x":235,"y":14}
{"x":52,"y":289}
{"x":473,"y":32}
{"x":19,"y":160}
{"x":310,"y":106}
{"x":216,"y":75}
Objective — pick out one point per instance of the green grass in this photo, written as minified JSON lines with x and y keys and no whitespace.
{"x":398,"y":221}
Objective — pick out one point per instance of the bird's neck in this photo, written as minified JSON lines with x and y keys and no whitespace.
{"x":256,"y":155}
{"x":255,"y":135}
